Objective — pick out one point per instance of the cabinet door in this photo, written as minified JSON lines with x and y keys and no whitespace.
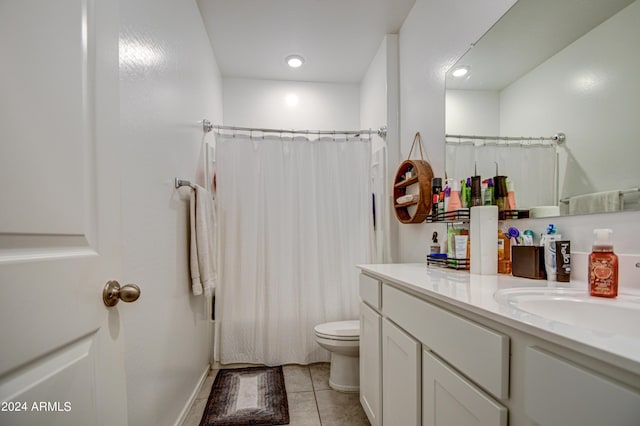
{"x":400,"y":376}
{"x":449,"y":399}
{"x":371,"y":364}
{"x":559,"y":392}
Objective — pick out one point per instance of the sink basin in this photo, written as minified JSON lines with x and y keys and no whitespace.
{"x":619,"y":316}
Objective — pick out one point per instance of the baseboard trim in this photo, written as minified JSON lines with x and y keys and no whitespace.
{"x":185,"y":411}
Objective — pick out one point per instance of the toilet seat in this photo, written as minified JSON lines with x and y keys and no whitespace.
{"x":339,"y":330}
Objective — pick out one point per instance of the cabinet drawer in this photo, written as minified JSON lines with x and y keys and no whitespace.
{"x":478,"y":352}
{"x":370,"y":290}
{"x":558,"y":392}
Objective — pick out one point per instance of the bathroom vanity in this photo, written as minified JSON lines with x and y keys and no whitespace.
{"x":441,"y":347}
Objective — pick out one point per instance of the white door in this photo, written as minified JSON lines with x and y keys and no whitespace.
{"x":401,"y":377}
{"x":61,"y":349}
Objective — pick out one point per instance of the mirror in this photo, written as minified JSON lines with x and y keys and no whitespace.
{"x":550,"y":66}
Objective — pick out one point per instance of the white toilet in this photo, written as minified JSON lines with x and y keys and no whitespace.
{"x":342,"y":339}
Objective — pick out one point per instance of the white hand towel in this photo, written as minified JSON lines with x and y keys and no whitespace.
{"x":205,"y":224}
{"x":597,"y":202}
{"x":196,"y":285}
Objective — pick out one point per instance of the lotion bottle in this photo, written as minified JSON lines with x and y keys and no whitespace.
{"x":603,"y":265}
{"x":454,"y":198}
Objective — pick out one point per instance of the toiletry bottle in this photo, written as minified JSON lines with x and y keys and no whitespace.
{"x":451,"y":234}
{"x":486,"y":193}
{"x":476,"y":191}
{"x":436,"y":187}
{"x":492,"y":192}
{"x":511,"y":196}
{"x":500,"y":191}
{"x":454,"y":198}
{"x":548,"y":241}
{"x":466,"y":193}
{"x":603,"y":265}
{"x":441,"y":205}
{"x":447,"y":193}
{"x":504,"y":253}
{"x":435,"y":247}
{"x":466,"y":232}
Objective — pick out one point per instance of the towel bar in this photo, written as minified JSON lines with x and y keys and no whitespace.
{"x":180,"y":182}
{"x":623,"y":191}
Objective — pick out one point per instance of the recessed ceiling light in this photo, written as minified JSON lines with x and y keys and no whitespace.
{"x":460,"y":71}
{"x":294,"y":61}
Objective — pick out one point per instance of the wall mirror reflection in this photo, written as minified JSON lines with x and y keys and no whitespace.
{"x":550,"y":66}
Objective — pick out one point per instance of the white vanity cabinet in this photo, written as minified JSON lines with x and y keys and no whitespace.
{"x":449,"y":354}
{"x":428,"y":356}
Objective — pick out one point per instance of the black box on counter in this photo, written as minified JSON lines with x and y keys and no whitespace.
{"x":528,"y":262}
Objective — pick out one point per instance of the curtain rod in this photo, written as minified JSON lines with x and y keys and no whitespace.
{"x":208,"y":127}
{"x":558,"y":138}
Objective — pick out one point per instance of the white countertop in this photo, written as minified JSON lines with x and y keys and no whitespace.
{"x":475,"y":293}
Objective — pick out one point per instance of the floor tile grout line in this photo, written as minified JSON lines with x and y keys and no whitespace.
{"x":315,"y":396}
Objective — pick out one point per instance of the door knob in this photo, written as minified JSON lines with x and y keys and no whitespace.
{"x":113,"y":293}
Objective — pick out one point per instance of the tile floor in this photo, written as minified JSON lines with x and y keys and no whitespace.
{"x":311,"y":401}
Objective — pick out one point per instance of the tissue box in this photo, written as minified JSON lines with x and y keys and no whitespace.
{"x":528,"y":262}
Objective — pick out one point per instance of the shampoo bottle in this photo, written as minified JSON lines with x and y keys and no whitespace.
{"x":603,"y":265}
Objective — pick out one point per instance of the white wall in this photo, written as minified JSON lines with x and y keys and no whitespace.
{"x":472,"y":112}
{"x":590,"y":91}
{"x":263,"y":103}
{"x":432,"y":38}
{"x":169,"y":81}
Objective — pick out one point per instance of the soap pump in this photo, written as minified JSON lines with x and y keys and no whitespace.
{"x":435,"y":246}
{"x":603,"y":265}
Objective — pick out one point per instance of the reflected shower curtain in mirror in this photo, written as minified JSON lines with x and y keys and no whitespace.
{"x":295,"y":220}
{"x":532,"y":169}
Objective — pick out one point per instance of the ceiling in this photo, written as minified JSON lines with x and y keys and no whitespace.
{"x":527,"y":35}
{"x":337,"y":38}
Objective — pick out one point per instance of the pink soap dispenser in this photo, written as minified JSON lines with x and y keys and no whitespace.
{"x":603,"y":265}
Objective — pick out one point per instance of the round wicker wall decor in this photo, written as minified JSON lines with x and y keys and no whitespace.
{"x":410,"y":173}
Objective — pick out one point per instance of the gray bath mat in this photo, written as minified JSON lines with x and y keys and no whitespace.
{"x":247,"y":396}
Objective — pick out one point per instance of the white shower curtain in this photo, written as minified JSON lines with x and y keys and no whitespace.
{"x":537,"y":188}
{"x":295,"y":219}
